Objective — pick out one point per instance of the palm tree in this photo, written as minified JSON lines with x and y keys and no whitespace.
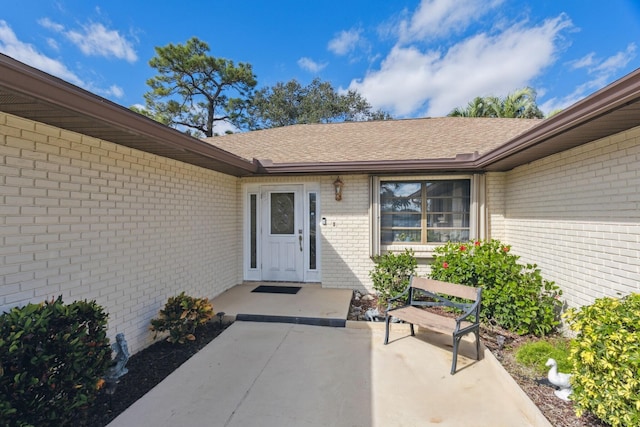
{"x":479,"y":107}
{"x":519,"y":104}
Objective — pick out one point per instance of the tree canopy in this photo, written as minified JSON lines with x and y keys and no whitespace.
{"x":194,"y":91}
{"x":519,"y":104}
{"x":291,"y":103}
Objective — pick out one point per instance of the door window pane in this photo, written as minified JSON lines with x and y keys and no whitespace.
{"x":282,"y":213}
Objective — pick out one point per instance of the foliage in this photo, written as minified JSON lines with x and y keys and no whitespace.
{"x":520,"y":104}
{"x":52,"y":359}
{"x":391,"y":274}
{"x":536,"y":353}
{"x":181,"y":315}
{"x":606,"y":359}
{"x":291,"y":103}
{"x":514,"y":296}
{"x":195,"y":91}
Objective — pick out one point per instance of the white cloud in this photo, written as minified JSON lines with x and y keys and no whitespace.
{"x":224,"y":127}
{"x":116,"y":91}
{"x":584,"y":62}
{"x":615,"y":62}
{"x":49,"y":24}
{"x":410,"y":79}
{"x":11,"y":46}
{"x":310,"y":65}
{"x":95,"y":39}
{"x":53,"y":44}
{"x":601,"y":71}
{"x":344,"y":42}
{"x":436,"y":18}
{"x":24,"y":52}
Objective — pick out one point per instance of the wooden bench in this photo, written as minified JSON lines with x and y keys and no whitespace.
{"x":423,"y":292}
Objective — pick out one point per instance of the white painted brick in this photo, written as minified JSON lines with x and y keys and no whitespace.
{"x":18,"y":298}
{"x":583,"y":230}
{"x":96,"y":220}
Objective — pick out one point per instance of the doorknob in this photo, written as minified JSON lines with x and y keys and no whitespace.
{"x":300,"y":241}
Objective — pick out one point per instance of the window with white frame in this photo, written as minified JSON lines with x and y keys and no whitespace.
{"x":424,"y":211}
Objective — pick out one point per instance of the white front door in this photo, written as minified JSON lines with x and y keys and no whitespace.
{"x":283,"y":233}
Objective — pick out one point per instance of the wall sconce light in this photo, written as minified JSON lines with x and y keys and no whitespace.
{"x":337,"y":185}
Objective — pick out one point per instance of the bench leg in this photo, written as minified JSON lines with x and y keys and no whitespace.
{"x":386,"y":327}
{"x":456,"y":342}
{"x":413,"y":333}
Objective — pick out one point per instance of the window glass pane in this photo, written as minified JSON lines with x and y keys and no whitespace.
{"x":445,"y":235}
{"x":401,"y":236}
{"x":386,"y":236}
{"x":460,"y":220}
{"x":254,"y":230}
{"x":457,"y":188}
{"x":282,"y":213}
{"x":438,"y":220}
{"x":400,"y":189}
{"x":401,"y":220}
{"x":312,"y":231}
{"x":401,"y":197}
{"x":407,"y":236}
{"x":425,"y":211}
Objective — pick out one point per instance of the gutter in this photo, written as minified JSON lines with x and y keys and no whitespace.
{"x":461,"y":163}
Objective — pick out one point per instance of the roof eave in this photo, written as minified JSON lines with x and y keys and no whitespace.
{"x":544,"y":139}
{"x":36,"y":86}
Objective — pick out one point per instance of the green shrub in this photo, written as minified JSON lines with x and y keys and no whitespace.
{"x":391,"y":274}
{"x":52,"y":359}
{"x":514,"y":296}
{"x":181,"y":316}
{"x":606,"y":359}
{"x":536,"y":353}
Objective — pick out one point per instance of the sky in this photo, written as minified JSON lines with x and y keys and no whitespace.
{"x":409,"y":58}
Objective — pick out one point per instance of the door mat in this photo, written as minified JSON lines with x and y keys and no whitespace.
{"x":277,"y":289}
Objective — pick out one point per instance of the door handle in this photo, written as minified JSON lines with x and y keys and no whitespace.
{"x":300,"y":241}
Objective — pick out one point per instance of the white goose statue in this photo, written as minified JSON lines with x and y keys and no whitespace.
{"x":560,"y":380}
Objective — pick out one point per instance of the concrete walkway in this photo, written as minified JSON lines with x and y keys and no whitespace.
{"x":276,"y":374}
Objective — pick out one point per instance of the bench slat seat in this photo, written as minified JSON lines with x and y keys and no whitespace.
{"x":423,"y":292}
{"x":429,"y":320}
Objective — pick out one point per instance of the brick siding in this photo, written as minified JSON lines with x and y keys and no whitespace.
{"x":88,"y":219}
{"x":577,"y":215}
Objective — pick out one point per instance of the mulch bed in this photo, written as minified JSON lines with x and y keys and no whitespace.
{"x":146,"y":369}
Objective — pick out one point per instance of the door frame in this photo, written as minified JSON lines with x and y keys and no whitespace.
{"x":252,"y":242}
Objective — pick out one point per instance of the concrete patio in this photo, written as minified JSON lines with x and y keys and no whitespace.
{"x":292,"y":374}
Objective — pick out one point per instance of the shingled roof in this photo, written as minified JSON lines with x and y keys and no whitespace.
{"x":397,"y":146}
{"x":391,"y":140}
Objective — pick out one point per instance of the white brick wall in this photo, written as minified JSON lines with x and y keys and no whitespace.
{"x":87,"y":219}
{"x":496,"y":205}
{"x":577,"y":215}
{"x":345,"y":238}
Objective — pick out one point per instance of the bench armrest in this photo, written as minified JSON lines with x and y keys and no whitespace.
{"x":405,"y":296}
{"x":473,"y":310}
